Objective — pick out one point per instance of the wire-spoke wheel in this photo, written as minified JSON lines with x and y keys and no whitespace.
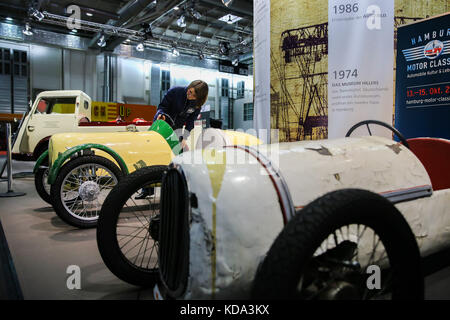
{"x":81,"y":188}
{"x":338,"y":268}
{"x":128,"y":229}
{"x":348,"y":244}
{"x":42,"y":187}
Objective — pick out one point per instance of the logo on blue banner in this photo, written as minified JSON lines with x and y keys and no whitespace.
{"x":433,"y":49}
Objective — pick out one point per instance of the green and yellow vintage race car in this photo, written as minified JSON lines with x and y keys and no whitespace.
{"x":84,"y":167}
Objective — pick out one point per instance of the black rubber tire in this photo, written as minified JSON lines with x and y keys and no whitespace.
{"x":40,"y":150}
{"x":64,"y":171}
{"x":39,"y":184}
{"x":107,"y":242}
{"x":281,"y":270}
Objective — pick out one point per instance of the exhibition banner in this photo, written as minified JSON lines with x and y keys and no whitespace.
{"x":261,"y":23}
{"x":360,"y":65}
{"x":299,"y":69}
{"x":422,"y":103}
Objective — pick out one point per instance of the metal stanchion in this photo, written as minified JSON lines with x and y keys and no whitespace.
{"x":10,"y":192}
{"x":2,"y":170}
{"x":13,"y":140}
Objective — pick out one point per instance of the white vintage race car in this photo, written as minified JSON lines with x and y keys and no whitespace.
{"x":328,"y":219}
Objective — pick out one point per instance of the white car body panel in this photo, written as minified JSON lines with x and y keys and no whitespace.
{"x":239,"y":212}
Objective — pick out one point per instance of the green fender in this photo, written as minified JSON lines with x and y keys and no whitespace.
{"x":166,"y":131}
{"x":40,"y":160}
{"x":56,"y":166}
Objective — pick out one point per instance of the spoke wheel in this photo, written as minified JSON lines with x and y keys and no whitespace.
{"x":81,"y":188}
{"x":338,"y":268}
{"x":330,"y":248}
{"x":128,"y":229}
{"x":42,"y":187}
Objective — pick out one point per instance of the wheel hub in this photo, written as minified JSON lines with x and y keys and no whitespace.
{"x":153,"y":228}
{"x":89,"y":191}
{"x":340,"y":290}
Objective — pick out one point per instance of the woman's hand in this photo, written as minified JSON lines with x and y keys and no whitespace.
{"x":184,"y":145}
{"x":161,"y":117}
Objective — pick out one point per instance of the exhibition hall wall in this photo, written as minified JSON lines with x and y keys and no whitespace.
{"x":134,"y":80}
{"x":299,"y":85}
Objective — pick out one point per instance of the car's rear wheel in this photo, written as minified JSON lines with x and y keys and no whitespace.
{"x":81,"y":188}
{"x":348,"y":244}
{"x":42,"y":187}
{"x":128,"y":229}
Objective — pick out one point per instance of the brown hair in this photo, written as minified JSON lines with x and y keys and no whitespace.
{"x":201,"y":91}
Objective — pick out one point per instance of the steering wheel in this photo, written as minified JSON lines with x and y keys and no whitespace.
{"x":167,"y":119}
{"x":380,"y":123}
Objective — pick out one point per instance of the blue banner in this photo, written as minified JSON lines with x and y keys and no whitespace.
{"x":422,"y":93}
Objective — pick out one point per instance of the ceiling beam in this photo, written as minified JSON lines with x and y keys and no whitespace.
{"x":238,"y":8}
{"x":132,"y":8}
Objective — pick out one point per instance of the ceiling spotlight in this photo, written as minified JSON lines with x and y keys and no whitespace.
{"x":9,"y":19}
{"x":176,"y":8}
{"x":197,"y":15}
{"x":181,"y":22}
{"x":230,"y":18}
{"x":235,"y":62}
{"x":147,"y":30}
{"x":242,"y":41}
{"x":140,"y":47}
{"x":101,"y":42}
{"x":89,"y":14}
{"x":27,"y":31}
{"x":227,"y":3}
{"x":74,"y":30}
{"x":36,"y":14}
{"x":224,"y":47}
{"x":175,"y":52}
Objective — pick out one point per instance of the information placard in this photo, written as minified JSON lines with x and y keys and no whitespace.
{"x":422,"y":103}
{"x":360,"y":64}
{"x":261,"y":23}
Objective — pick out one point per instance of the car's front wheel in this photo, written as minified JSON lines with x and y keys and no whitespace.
{"x":81,"y":188}
{"x":348,"y":244}
{"x":128,"y":227}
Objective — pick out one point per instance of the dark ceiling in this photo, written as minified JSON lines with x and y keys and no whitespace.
{"x":202,"y":32}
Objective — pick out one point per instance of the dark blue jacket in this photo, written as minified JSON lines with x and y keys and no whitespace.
{"x":181,"y":110}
